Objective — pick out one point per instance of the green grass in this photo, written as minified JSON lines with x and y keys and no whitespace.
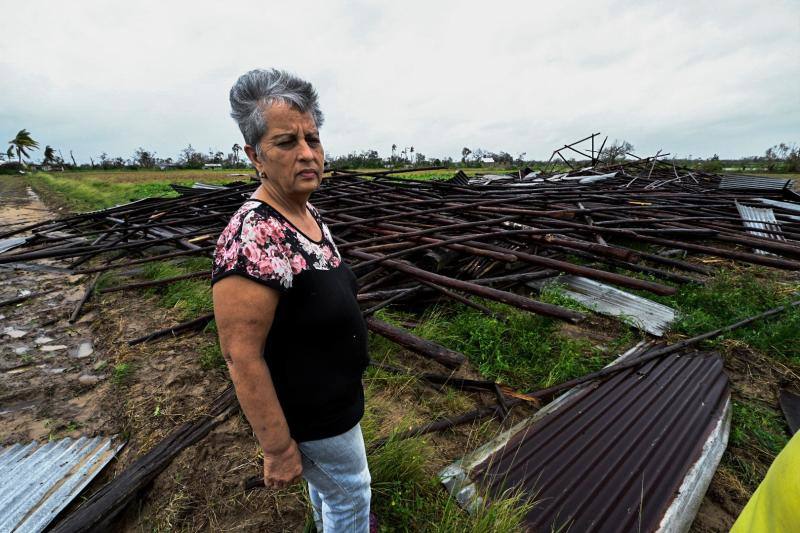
{"x":121,"y":373}
{"x":90,"y":190}
{"x":211,"y":357}
{"x":732,"y":295}
{"x":191,"y":297}
{"x":756,"y":426}
{"x":527,"y":351}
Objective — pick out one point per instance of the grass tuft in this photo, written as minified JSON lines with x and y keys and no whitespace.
{"x":211,"y":357}
{"x":190,"y":297}
{"x":757,"y":427}
{"x":757,"y":436}
{"x":122,"y":373}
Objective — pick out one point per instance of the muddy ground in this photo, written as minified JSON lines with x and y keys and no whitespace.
{"x":61,"y":379}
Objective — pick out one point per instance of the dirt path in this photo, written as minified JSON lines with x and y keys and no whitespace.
{"x":49,"y":369}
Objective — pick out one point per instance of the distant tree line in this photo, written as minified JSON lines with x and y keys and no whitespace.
{"x":779,"y":158}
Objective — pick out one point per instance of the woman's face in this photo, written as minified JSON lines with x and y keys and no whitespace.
{"x":291,"y":151}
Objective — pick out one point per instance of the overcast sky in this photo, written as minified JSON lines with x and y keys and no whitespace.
{"x":687,"y":77}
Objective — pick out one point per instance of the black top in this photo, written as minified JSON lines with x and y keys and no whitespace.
{"x":316,"y":349}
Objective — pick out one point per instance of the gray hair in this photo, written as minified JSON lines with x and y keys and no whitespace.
{"x":257,"y":89}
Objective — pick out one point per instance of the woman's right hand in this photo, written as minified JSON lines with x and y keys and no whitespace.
{"x":283,"y":469}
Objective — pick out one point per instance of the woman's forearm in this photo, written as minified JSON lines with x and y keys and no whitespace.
{"x":256,"y":393}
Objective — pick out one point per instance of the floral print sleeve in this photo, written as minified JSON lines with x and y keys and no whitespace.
{"x":260,"y":244}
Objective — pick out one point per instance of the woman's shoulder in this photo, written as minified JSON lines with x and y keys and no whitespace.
{"x":251,"y":213}
{"x":254,"y":245}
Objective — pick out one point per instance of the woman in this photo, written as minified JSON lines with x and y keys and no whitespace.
{"x":285,"y":304}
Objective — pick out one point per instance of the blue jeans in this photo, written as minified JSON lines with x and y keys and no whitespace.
{"x":338,"y":482}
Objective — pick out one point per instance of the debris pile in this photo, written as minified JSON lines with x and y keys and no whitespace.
{"x":610,"y":234}
{"x":412,"y":240}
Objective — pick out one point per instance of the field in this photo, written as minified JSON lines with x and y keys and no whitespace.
{"x":96,"y":189}
{"x":524,"y":352}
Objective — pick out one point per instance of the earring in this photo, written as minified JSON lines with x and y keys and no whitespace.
{"x":263,"y":175}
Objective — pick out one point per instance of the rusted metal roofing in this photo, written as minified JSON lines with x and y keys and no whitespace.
{"x":38,"y":481}
{"x":634,"y":453}
{"x":639,"y":312}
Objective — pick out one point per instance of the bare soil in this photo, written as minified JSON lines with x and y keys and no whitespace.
{"x":48,"y":380}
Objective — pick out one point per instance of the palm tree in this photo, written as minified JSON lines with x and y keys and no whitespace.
{"x":49,"y":155}
{"x":22,"y":143}
{"x":394,"y":149}
{"x":411,"y":158}
{"x":236,"y":149}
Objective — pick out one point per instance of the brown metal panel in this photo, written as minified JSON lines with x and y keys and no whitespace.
{"x":613,"y":457}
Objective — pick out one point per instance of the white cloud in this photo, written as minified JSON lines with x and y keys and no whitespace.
{"x":688,"y":77}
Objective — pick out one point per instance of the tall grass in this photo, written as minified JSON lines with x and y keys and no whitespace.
{"x":90,"y":190}
{"x":407,"y":498}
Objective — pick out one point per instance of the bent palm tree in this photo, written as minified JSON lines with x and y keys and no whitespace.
{"x":49,"y":155}
{"x":22,"y":143}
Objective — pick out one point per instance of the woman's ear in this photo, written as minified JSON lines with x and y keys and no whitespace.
{"x":253,"y":157}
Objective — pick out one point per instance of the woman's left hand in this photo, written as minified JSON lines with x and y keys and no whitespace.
{"x":284,"y":468}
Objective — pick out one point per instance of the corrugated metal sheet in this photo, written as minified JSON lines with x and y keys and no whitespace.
{"x":13,"y":242}
{"x":615,"y":456}
{"x":642,"y":313}
{"x":460,"y":178}
{"x":760,"y":218}
{"x":753,"y":182}
{"x":37,"y":482}
{"x":788,"y":206}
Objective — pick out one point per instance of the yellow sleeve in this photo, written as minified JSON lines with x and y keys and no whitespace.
{"x":775,"y":505}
